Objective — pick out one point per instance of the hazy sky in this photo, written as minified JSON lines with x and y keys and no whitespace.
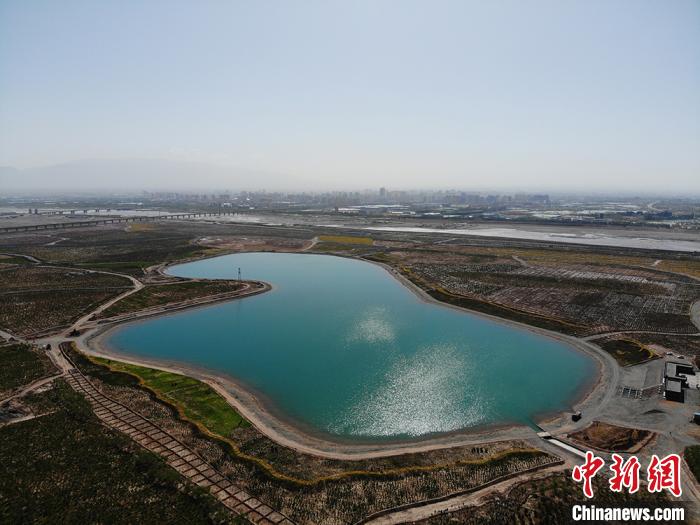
{"x":596,"y":94}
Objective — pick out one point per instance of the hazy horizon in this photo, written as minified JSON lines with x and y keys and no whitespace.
{"x":580,"y":96}
{"x":158,"y":175}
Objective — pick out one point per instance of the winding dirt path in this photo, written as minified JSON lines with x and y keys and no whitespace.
{"x":313,"y":243}
{"x":473,"y":498}
{"x":30,"y":387}
{"x":30,"y":258}
{"x":622,"y":332}
{"x":138,"y":285}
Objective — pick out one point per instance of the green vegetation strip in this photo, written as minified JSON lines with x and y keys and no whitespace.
{"x":197,"y":400}
{"x":213,"y":416}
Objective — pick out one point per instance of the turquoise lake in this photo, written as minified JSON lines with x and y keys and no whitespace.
{"x":343,"y":348}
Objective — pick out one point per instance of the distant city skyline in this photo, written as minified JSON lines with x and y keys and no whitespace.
{"x":586,"y":96}
{"x":133,"y":176}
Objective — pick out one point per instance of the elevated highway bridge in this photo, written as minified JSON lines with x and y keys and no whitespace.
{"x":110,"y":220}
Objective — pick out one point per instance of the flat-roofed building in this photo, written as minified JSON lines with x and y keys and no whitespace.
{"x":673,"y":390}
{"x":678,"y":371}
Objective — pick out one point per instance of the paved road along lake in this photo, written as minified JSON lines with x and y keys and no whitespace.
{"x":342,"y":347}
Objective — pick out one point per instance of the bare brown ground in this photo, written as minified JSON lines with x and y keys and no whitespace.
{"x":605,"y":436}
{"x":253,"y":244}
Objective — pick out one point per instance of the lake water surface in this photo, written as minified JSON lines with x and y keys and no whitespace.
{"x":342,"y":347}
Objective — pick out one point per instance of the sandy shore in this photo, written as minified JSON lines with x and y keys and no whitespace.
{"x":253,"y":407}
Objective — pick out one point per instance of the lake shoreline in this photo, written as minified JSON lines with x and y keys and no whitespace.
{"x":587,"y":393}
{"x":295,"y":434}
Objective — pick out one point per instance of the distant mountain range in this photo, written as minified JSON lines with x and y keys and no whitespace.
{"x":137,"y":174}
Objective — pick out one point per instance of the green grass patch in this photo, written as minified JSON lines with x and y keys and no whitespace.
{"x":198,"y":401}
